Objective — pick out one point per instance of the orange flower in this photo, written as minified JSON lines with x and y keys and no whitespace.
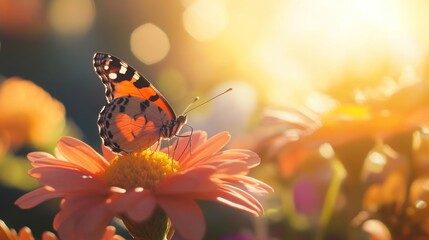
{"x":289,"y":135}
{"x":25,"y":233}
{"x":29,"y":115}
{"x":143,"y":188}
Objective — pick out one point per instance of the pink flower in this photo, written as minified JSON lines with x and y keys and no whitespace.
{"x":143,"y":188}
{"x":7,"y":233}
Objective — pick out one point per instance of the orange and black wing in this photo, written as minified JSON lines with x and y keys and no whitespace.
{"x":120,"y":79}
{"x":129,"y":123}
{"x":135,"y":113}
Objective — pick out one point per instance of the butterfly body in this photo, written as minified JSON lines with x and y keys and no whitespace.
{"x":136,"y":114}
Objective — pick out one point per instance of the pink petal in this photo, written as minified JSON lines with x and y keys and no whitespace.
{"x":197,"y":137}
{"x":119,"y":201}
{"x":180,"y":149}
{"x":249,"y":157}
{"x":25,"y":234}
{"x":49,"y":236}
{"x":63,"y":179}
{"x":83,"y":218}
{"x":58,"y":154}
{"x":251,"y":184}
{"x":183,"y":145}
{"x":36,"y":197}
{"x":186,"y":217}
{"x":233,"y":167}
{"x":94,"y":222}
{"x":53,"y":162}
{"x":238,"y":205}
{"x":81,"y":154}
{"x":187,"y":182}
{"x":33,"y":156}
{"x":138,"y":205}
{"x":107,"y":153}
{"x":71,"y":205}
{"x":109,"y":234}
{"x":208,"y":148}
{"x":143,"y":210}
{"x":234,"y":197}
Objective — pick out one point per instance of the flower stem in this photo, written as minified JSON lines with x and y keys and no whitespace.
{"x":338,"y":175}
{"x":154,"y":228}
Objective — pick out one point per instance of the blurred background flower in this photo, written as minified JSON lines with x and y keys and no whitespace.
{"x":349,"y":79}
{"x":29,"y":115}
{"x":359,"y":164}
{"x":30,"y":119}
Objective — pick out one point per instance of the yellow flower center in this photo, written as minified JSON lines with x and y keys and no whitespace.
{"x":141,"y":168}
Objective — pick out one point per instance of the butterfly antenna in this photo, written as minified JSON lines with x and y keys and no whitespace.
{"x":199,"y":105}
{"x":195,"y":99}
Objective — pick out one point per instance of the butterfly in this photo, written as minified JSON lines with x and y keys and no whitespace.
{"x":136,"y":114}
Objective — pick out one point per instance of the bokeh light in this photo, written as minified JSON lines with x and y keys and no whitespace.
{"x":376,"y":229}
{"x":205,"y":19}
{"x":149,"y":43}
{"x":172,"y":83}
{"x":21,"y":19}
{"x":307,"y":44}
{"x":71,"y":17}
{"x":230,"y":111}
{"x":326,"y":151}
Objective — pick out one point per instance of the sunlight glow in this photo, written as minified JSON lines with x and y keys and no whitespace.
{"x":320,"y":103}
{"x":408,"y":77}
{"x":235,"y":111}
{"x":205,"y":19}
{"x":308,"y":44}
{"x":62,"y":15}
{"x":149,"y":43}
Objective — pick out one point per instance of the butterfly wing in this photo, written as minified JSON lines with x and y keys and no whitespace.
{"x":120,"y":79}
{"x":128,"y":123}
{"x":136,"y":112}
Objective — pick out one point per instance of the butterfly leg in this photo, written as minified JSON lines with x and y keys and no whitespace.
{"x":158,"y":145}
{"x":168,"y":148}
{"x":175,"y":147}
{"x":189,"y":143}
{"x":172,"y":158}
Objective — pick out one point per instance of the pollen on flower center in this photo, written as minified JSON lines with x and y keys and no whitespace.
{"x":140,"y":169}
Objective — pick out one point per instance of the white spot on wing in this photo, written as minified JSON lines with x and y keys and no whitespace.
{"x":106,"y":67}
{"x":113,"y":75}
{"x":136,"y":76}
{"x":124,"y":64}
{"x":123,"y":70}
